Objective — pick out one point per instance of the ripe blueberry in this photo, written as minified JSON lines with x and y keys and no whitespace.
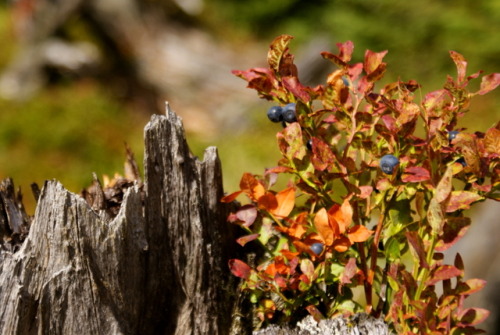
{"x":289,"y":114}
{"x":452,"y":134}
{"x":309,"y":144}
{"x":388,"y":163}
{"x":275,"y":114}
{"x":317,"y":248}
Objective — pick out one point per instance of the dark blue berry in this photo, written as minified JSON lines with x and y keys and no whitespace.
{"x":317,"y":248}
{"x":289,"y":114}
{"x":275,"y":114}
{"x":388,"y":163}
{"x":461,"y":160}
{"x":309,"y":144}
{"x":452,"y":134}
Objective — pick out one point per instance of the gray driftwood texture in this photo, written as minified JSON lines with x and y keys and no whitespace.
{"x":158,"y":267}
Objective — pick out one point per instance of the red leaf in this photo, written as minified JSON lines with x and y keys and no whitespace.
{"x":334,"y":59}
{"x":418,"y":247}
{"x":293,"y":85}
{"x":349,"y":271}
{"x":286,"y":202}
{"x":248,"y":238}
{"x":373,"y":60}
{"x":239,"y":268}
{"x":415,"y":174}
{"x":462,"y":200}
{"x":442,"y":273}
{"x":453,"y":230}
{"x":345,"y":50}
{"x":316,"y":314}
{"x":359,"y":233}
{"x":268,"y":202}
{"x":472,"y":316}
{"x":489,"y":83}
{"x":473,"y":285}
{"x":322,"y":157}
{"x":435,"y":100}
{"x":461,"y":64}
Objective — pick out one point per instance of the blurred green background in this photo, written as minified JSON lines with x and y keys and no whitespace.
{"x":75,"y":126}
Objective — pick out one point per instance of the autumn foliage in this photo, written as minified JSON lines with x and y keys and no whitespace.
{"x":341,"y":223}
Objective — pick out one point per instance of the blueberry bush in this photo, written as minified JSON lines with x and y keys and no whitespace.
{"x":376,"y":183}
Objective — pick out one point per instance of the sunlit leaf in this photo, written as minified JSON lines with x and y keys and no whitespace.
{"x":322,"y":225}
{"x":473,"y":316}
{"x":277,"y":49}
{"x":286,"y":202}
{"x":342,"y":214}
{"x":462,"y":200}
{"x":492,"y":141}
{"x":444,"y":186}
{"x":359,"y":233}
{"x":239,"y":268}
{"x":294,"y":145}
{"x":334,"y":59}
{"x":247,"y":238}
{"x":307,"y":268}
{"x":373,"y":60}
{"x":461,"y":64}
{"x":489,"y":83}
{"x":251,"y":186}
{"x":472,"y":285}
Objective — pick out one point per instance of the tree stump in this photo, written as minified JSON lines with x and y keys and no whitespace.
{"x":156,"y":264}
{"x":158,"y":267}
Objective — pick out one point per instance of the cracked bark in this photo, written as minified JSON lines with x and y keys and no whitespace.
{"x":158,"y":267}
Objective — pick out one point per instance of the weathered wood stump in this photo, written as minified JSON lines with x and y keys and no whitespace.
{"x":155,"y":265}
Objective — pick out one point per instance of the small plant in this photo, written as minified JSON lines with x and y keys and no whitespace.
{"x":371,"y":202}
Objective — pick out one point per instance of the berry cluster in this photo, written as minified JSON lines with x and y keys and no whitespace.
{"x":282,"y":114}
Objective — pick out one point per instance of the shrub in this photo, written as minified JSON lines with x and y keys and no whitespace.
{"x":345,"y":236}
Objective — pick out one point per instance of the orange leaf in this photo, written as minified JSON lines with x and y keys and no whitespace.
{"x":251,"y":186}
{"x":321,"y":222}
{"x":342,"y":215}
{"x":230,"y":197}
{"x":359,"y":233}
{"x":286,"y":202}
{"x":341,"y":244}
